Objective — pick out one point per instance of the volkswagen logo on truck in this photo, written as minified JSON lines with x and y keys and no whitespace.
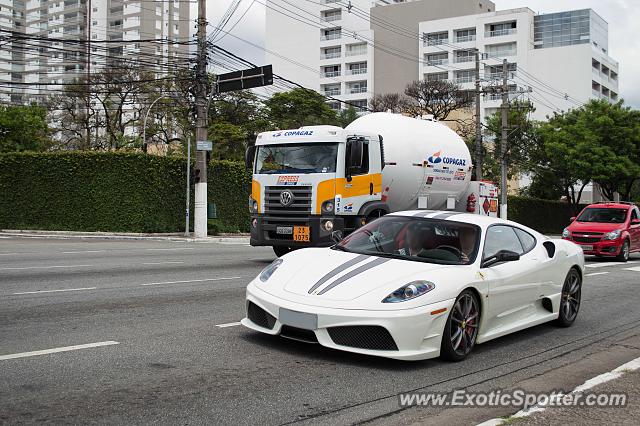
{"x":286,"y":198}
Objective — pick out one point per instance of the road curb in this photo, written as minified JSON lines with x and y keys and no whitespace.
{"x":225,"y":238}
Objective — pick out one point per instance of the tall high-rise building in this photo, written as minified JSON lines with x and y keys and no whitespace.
{"x":43,"y":43}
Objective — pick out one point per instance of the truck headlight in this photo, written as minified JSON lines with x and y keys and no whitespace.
{"x":253,"y":205}
{"x":409,"y":291}
{"x":327,"y":225}
{"x":269,"y":270}
{"x":613,"y":235}
{"x":566,"y":233}
{"x":328,"y":206}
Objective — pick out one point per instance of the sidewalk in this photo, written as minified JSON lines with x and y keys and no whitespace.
{"x":241,"y":238}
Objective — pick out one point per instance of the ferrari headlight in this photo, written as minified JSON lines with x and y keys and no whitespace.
{"x":613,"y":235}
{"x":409,"y":291}
{"x":269,"y":270}
{"x":566,"y":233}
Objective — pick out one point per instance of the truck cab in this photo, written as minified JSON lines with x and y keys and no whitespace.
{"x":309,"y":182}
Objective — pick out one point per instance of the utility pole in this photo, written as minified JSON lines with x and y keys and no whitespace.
{"x":88,"y":70}
{"x":503,"y":140}
{"x":200,"y":216}
{"x":478,"y":155}
{"x":186,"y":227}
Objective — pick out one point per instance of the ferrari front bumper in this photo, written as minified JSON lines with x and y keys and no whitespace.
{"x":416,"y":333}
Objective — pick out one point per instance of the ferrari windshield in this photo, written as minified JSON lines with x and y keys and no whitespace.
{"x":603,"y":215}
{"x":418,"y":239}
{"x":297,"y":158}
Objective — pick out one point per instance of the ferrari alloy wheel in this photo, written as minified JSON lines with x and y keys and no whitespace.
{"x":461,"y":329}
{"x":624,"y":252}
{"x":570,"y":299}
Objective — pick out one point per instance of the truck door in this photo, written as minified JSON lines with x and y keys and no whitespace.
{"x":366,"y":181}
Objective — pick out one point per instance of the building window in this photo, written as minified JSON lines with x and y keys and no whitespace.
{"x":359,"y":104}
{"x":331,"y":89}
{"x":435,"y":59}
{"x":331,"y":71}
{"x":435,"y":39}
{"x":501,"y":29}
{"x":357,"y":87}
{"x":331,"y":34}
{"x":357,"y":68}
{"x":436,"y":76}
{"x":356,"y":49}
{"x":332,"y":15}
{"x":465,"y":35}
{"x":464,"y":56}
{"x":331,"y":52}
{"x":501,"y":50}
{"x":465,"y":76}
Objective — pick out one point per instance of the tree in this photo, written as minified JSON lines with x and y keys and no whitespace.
{"x":438,"y":98}
{"x":23,"y":128}
{"x":347,"y":116}
{"x":298,"y":107}
{"x":74,"y":115}
{"x":393,"y":102}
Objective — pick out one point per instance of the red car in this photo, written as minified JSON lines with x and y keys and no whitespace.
{"x":606,"y":229}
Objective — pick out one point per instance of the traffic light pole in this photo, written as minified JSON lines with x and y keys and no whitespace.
{"x":200,"y":214}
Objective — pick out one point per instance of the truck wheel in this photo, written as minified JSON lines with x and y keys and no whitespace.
{"x":281,"y":250}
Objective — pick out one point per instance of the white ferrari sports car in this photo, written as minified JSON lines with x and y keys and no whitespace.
{"x":419,"y":284}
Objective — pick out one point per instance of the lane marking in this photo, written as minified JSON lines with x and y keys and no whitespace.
{"x":161,"y":263}
{"x":46,"y":267}
{"x":604,"y":264}
{"x":589,"y":384}
{"x":634,"y":269}
{"x":56,"y":350}
{"x":57,"y":291}
{"x":194,"y":281}
{"x":229,"y":324}
{"x":596,"y":273}
{"x":174,"y":248}
{"x":83,"y":251}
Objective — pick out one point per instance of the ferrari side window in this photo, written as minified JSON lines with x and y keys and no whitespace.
{"x":501,"y":238}
{"x":528,"y":241}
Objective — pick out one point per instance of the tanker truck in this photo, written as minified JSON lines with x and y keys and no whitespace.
{"x":313,"y":183}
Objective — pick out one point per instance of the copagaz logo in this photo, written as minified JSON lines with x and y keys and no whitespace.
{"x":435,"y":158}
{"x":276,"y":134}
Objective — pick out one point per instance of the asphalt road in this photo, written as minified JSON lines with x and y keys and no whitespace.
{"x":159,"y":321}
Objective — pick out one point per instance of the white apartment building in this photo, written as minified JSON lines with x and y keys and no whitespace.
{"x":322,"y":46}
{"x":330,"y":45}
{"x":557,"y":61}
{"x":52,"y":53}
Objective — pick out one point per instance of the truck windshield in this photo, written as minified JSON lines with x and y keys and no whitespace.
{"x":603,"y":215}
{"x":297,"y":158}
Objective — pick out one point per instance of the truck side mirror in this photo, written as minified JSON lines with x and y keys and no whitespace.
{"x":249,"y":155}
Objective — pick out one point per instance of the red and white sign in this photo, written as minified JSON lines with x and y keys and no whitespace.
{"x":288,"y":180}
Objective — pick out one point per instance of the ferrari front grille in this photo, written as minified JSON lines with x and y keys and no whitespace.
{"x":259,"y":316}
{"x":372,"y":337}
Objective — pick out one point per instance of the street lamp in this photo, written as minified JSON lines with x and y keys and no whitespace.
{"x":144,"y":122}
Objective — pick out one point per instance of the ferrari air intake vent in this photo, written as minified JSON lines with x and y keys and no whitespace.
{"x":259,"y":316}
{"x":364,"y":337}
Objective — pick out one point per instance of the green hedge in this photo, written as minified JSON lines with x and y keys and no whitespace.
{"x":542,"y":215}
{"x":117,"y":192}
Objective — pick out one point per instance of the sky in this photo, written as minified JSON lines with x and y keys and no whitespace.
{"x":623,"y":17}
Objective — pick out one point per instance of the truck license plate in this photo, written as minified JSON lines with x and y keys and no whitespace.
{"x":301,"y":233}
{"x":587,"y":248}
{"x":284,"y":230}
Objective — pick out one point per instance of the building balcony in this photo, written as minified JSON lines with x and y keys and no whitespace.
{"x":465,"y":39}
{"x":353,"y":90}
{"x":436,"y":62}
{"x":332,"y":18}
{"x":595,"y":93}
{"x":463,"y":59}
{"x":462,"y":80}
{"x":331,"y":74}
{"x":332,"y":36}
{"x":500,"y":33}
{"x":330,"y":55}
{"x":332,"y":92}
{"x":356,"y":52}
{"x":357,"y":71}
{"x":436,"y":42}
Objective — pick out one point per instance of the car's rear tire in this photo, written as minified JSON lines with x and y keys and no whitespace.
{"x":624,"y":252}
{"x":570,"y":298}
{"x":461,"y":330}
{"x":281,"y":250}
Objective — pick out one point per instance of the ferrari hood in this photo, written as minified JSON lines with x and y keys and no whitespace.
{"x":332,"y":278}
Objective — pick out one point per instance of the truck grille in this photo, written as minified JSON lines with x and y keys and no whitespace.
{"x":300,"y":206}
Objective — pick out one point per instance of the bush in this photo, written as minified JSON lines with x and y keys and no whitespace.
{"x":544,"y":216}
{"x":113,"y":192}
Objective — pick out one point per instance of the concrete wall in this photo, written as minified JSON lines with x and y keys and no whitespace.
{"x":396,"y":53}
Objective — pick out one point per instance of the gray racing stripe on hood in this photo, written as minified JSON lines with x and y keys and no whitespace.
{"x":358,"y":270}
{"x":338,"y":269}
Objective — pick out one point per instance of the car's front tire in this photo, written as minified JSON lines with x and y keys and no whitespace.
{"x":624,"y":252}
{"x":461,"y":329}
{"x":570,"y":299}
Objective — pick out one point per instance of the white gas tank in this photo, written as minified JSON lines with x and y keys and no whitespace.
{"x":423,"y":159}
